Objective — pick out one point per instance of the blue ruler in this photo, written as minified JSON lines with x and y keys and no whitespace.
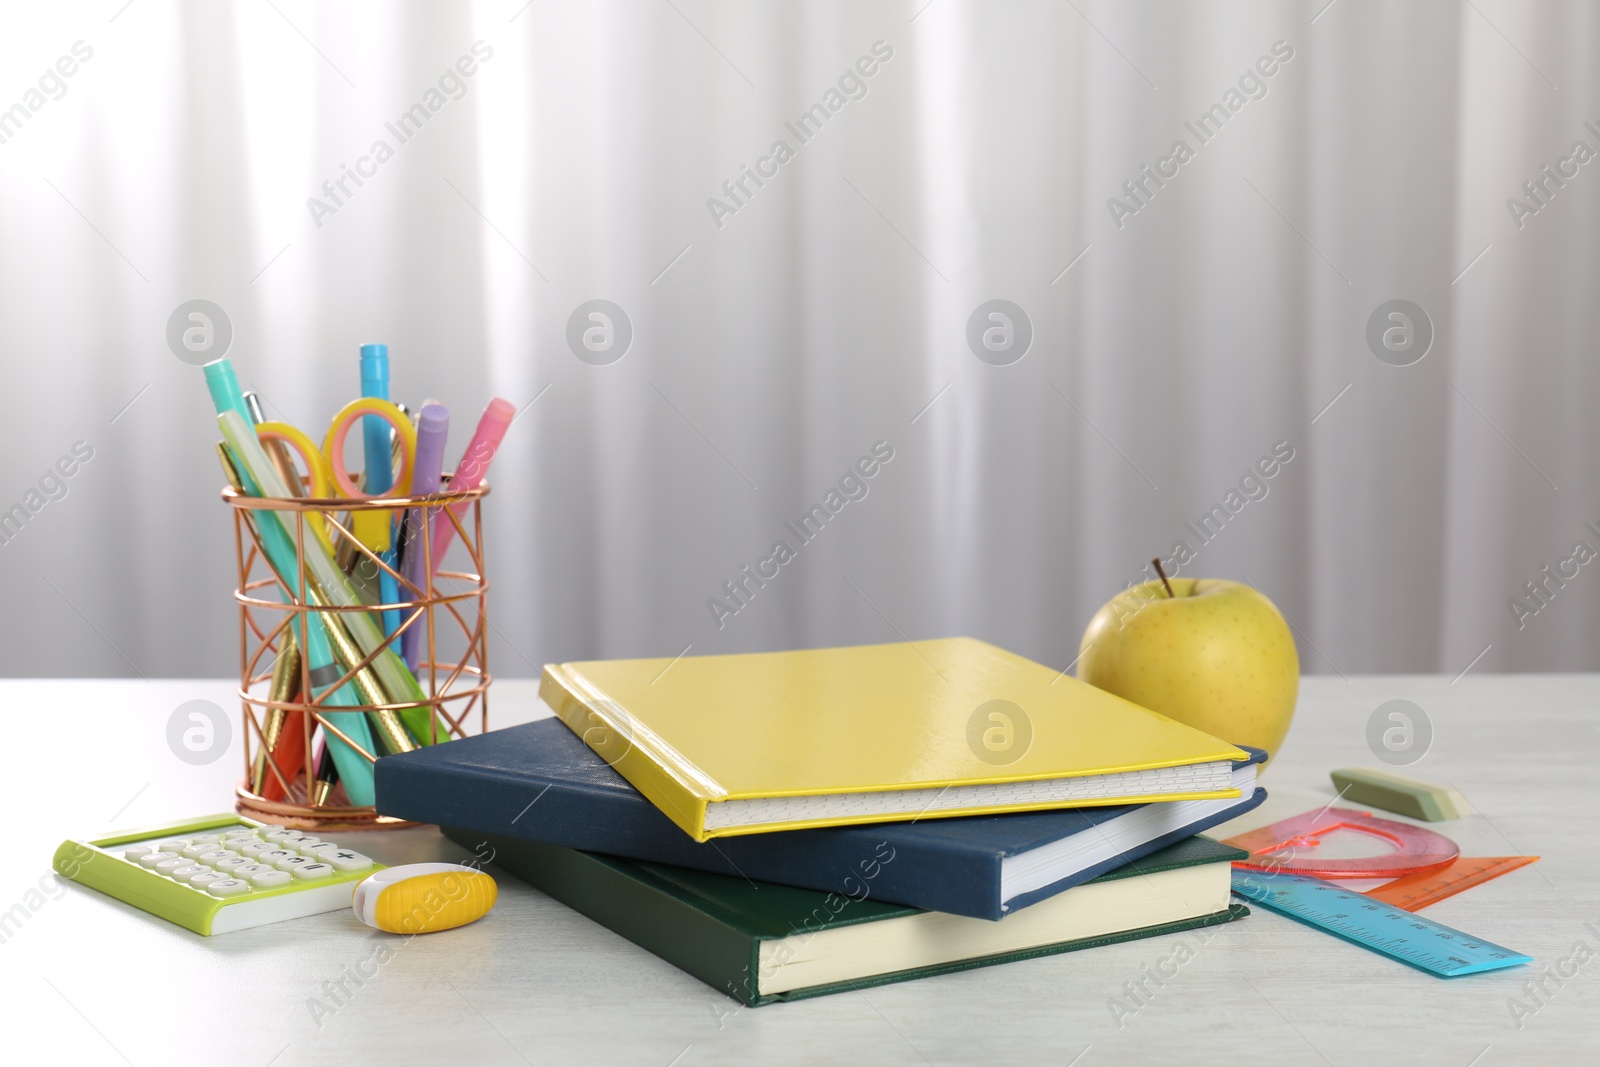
{"x":1372,"y":924}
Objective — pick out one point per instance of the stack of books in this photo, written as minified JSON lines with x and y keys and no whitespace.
{"x":790,"y":824}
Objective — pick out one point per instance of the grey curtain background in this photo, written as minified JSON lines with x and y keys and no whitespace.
{"x":1172,"y":342}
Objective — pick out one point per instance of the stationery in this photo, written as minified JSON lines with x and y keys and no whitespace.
{"x":286,"y":671}
{"x":217,"y":874}
{"x":760,"y":943}
{"x":474,"y":465}
{"x":223,"y":385}
{"x":372,"y":528}
{"x":1399,"y":794}
{"x":325,"y":775}
{"x":284,"y":685}
{"x":1410,"y":849}
{"x":433,"y":426}
{"x":424,"y":898}
{"x":1442,"y":951}
{"x":245,"y":460}
{"x":328,"y":584}
{"x":275,"y":450}
{"x":1418,"y":890}
{"x":288,"y":754}
{"x":982,"y":866}
{"x":738,"y":744}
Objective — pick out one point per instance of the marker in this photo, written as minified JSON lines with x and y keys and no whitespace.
{"x":224,"y":386}
{"x":469,"y":473}
{"x":285,"y":684}
{"x":289,"y":755}
{"x":427,"y":474}
{"x":377,"y":476}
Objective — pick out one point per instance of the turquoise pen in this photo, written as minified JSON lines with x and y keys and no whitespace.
{"x":377,"y":475}
{"x":225,"y":391}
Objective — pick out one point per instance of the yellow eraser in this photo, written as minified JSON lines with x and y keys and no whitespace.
{"x":1399,"y":794}
{"x":424,"y":898}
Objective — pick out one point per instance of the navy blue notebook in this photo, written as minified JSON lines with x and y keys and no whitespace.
{"x":540,"y":782}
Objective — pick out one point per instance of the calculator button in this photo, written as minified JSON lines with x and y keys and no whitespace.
{"x":345,"y":860}
{"x":255,"y":848}
{"x":289,"y":863}
{"x":250,"y":870}
{"x":205,"y":878}
{"x":231,"y":863}
{"x":311,"y":872}
{"x":243,"y":831}
{"x":135,"y":853}
{"x":205,"y":837}
{"x":228,"y":887}
{"x":194,"y":848}
{"x":271,"y":879}
{"x":272,"y":856}
{"x":174,"y":846}
{"x":150,"y":859}
{"x":169,"y":865}
{"x":187,"y":871}
{"x":307,"y":846}
{"x":280,"y":836}
{"x":215,"y":854}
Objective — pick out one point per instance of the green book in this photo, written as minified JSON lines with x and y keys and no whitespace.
{"x":760,"y":943}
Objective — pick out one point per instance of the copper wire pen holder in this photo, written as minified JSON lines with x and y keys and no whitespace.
{"x":449,"y":606}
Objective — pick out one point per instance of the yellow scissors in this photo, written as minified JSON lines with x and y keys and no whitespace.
{"x":326,"y":471}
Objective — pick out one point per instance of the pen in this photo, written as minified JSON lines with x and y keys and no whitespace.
{"x":397,"y":460}
{"x":372,"y":528}
{"x":433,"y":426}
{"x":327,"y":776}
{"x":276,"y":451}
{"x":224,"y":387}
{"x":469,"y":473}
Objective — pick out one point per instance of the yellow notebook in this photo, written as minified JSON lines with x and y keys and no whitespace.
{"x":746,"y":744}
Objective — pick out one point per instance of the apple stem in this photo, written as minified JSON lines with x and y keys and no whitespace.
{"x":1163,"y":574}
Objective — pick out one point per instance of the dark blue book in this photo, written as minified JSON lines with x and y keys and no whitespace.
{"x":540,"y":782}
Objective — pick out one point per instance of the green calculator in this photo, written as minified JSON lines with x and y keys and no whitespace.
{"x":219,"y":874}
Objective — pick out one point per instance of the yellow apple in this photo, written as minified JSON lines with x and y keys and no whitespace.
{"x":1216,"y":655}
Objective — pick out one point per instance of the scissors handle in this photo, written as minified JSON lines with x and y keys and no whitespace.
{"x":352,"y":414}
{"x":316,"y":465}
{"x":296,"y":441}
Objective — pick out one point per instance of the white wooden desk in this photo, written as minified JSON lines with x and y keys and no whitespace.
{"x":85,"y":979}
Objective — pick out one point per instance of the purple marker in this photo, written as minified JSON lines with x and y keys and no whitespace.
{"x":427,"y":471}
